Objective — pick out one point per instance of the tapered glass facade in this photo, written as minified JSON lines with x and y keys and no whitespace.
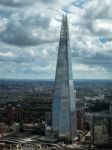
{"x":64,"y":102}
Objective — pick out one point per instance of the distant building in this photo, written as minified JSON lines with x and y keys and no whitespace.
{"x":18,"y":113}
{"x":9,"y":113}
{"x":64,"y":102}
{"x":101,"y":129}
{"x":80,"y":118}
{"x":13,"y":113}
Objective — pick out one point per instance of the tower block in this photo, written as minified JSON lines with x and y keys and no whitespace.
{"x":64,"y":101}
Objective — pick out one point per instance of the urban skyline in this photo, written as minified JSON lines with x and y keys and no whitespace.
{"x":26,"y":52}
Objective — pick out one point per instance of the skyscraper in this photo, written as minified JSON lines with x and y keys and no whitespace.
{"x":64,"y":102}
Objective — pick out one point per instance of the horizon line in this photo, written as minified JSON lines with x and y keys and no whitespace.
{"x":46,"y":79}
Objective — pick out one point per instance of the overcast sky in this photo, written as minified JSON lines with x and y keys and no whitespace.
{"x":29,"y":35}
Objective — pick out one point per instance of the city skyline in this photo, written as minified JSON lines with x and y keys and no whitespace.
{"x":29,"y":38}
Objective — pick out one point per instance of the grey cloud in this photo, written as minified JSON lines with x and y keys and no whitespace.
{"x":17,"y":34}
{"x":17,"y":58}
{"x":102,"y":59}
{"x":21,"y":38}
{"x":48,"y":1}
{"x":18,"y":3}
{"x":36,"y":21}
{"x":97,"y":10}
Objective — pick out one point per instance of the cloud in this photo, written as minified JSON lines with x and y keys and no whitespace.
{"x":16,"y":3}
{"x":25,"y":32}
{"x":3,"y":24}
{"x":82,"y":71}
{"x":97,"y":17}
{"x":16,"y":57}
{"x":47,"y":2}
{"x":29,"y":37}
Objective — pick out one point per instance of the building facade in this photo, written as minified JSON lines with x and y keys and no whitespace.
{"x":64,"y":101}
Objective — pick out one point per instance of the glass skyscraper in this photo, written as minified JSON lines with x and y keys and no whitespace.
{"x":64,"y":101}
